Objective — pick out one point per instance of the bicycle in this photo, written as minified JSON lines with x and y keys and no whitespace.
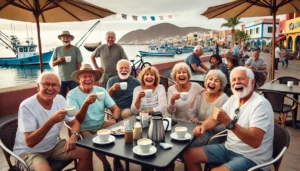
{"x":139,"y":63}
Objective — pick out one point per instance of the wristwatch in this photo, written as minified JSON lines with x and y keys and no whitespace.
{"x":115,"y":118}
{"x":231,"y":124}
{"x":77,"y":135}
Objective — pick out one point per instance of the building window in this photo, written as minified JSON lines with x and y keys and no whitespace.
{"x":257,"y":30}
{"x":270,"y":29}
{"x":20,"y":49}
{"x":250,"y":31}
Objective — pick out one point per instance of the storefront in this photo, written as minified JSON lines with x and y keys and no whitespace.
{"x":292,"y":32}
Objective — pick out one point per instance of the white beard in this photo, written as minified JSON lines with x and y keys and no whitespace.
{"x":123,"y":77}
{"x":66,"y":44}
{"x":246,"y":91}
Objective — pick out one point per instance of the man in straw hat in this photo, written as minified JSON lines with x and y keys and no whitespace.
{"x":68,"y":58}
{"x":90,"y":102}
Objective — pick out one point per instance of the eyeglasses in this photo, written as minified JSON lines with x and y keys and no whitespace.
{"x":47,"y":85}
{"x":236,"y":112}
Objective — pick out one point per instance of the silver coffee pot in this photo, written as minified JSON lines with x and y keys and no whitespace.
{"x":156,"y":131}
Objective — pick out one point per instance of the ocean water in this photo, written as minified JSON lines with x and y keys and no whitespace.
{"x":11,"y":76}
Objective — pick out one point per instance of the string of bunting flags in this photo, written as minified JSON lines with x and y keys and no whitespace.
{"x":147,"y":18}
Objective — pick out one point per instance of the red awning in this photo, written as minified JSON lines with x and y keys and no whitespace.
{"x":281,"y":38}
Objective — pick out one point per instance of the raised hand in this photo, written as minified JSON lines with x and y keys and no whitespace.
{"x":198,"y":131}
{"x":116,"y":87}
{"x":58,"y":116}
{"x":91,"y":99}
{"x":221,"y":116}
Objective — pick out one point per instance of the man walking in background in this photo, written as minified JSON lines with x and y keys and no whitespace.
{"x":109,"y":54}
{"x":68,"y":58}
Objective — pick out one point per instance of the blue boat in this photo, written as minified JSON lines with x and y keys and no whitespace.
{"x":162,"y":54}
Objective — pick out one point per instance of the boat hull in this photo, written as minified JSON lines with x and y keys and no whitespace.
{"x":162,"y":54}
{"x":31,"y":60}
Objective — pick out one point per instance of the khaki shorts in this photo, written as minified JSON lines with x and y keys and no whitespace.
{"x":34,"y":159}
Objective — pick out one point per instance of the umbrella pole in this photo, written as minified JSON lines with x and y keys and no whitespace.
{"x":39,"y":41}
{"x":273,"y":46}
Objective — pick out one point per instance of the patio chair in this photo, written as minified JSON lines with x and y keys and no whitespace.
{"x":8,"y":132}
{"x":277,"y":101}
{"x":166,"y":82}
{"x":285,"y":79}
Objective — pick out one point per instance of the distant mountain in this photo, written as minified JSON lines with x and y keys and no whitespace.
{"x":159,"y":31}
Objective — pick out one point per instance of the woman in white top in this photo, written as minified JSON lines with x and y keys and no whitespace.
{"x":178,"y":107}
{"x":206,"y":102}
{"x":149,"y":79}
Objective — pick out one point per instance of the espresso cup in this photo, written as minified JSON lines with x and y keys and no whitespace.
{"x":103,"y":135}
{"x":180,"y":131}
{"x":123,"y":85}
{"x":71,"y":110}
{"x":68,"y":58}
{"x":100,"y":96}
{"x":148,"y":93}
{"x":290,"y":83}
{"x":144,"y":144}
{"x":184,"y":96}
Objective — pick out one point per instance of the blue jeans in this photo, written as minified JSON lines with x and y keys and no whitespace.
{"x":65,"y":85}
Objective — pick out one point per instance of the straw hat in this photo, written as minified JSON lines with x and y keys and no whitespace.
{"x":65,"y":33}
{"x":86,"y":68}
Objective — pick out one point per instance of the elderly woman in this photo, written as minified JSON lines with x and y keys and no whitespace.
{"x":216,"y":63}
{"x":206,"y":102}
{"x":90,"y":110}
{"x":157,"y":102}
{"x":178,"y":107}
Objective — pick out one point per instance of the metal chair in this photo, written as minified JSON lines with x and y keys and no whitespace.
{"x":285,"y":79}
{"x":277,"y":101}
{"x":8,"y":132}
{"x":166,"y":82}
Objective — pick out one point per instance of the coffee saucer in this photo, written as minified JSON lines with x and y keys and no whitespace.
{"x":175,"y":137}
{"x":110,"y":140}
{"x":137,"y":151}
{"x":138,"y":118}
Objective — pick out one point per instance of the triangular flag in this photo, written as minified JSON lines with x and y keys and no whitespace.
{"x":124,"y":16}
{"x":144,"y":18}
{"x":161,"y":17}
{"x":152,"y":18}
{"x":134,"y":17}
{"x":170,"y":16}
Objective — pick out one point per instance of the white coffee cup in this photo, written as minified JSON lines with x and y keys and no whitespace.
{"x":68,"y":58}
{"x":180,"y":131}
{"x":148,"y":92}
{"x":290,"y":83}
{"x":123,"y":85}
{"x":166,"y":123}
{"x":100,"y":96}
{"x":71,"y":110}
{"x":103,"y":135}
{"x":184,"y":96}
{"x":144,"y":144}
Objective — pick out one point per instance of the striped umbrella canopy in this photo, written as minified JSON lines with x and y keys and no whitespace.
{"x":50,"y":11}
{"x":255,"y":8}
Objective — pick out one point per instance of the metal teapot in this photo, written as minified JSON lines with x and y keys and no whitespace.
{"x":156,"y":131}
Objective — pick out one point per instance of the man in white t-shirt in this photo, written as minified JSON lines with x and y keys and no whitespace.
{"x":40,"y":119}
{"x":277,"y":56}
{"x":249,"y":119}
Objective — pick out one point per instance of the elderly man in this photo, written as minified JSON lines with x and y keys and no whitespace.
{"x":109,"y":54}
{"x":122,"y":97}
{"x":193,"y":61}
{"x":227,"y":56}
{"x":68,"y":58}
{"x":90,"y":109}
{"x":256,"y":63}
{"x":40,"y":119}
{"x":249,"y":119}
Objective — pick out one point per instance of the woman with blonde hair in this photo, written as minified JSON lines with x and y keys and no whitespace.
{"x":157,"y":102}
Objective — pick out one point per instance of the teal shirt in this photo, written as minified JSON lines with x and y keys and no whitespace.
{"x":95,"y":114}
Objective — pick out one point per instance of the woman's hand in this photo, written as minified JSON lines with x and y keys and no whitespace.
{"x":174,"y":98}
{"x":141,"y":94}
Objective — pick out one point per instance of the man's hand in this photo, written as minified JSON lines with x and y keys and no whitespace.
{"x":71,"y":144}
{"x":110,"y":122}
{"x":58,"y":116}
{"x":116,"y":87}
{"x":62,"y":59}
{"x":221,"y":116}
{"x":141,"y":94}
{"x":100,"y":69}
{"x":198,"y":131}
{"x":90,"y":99}
{"x":174,"y":98}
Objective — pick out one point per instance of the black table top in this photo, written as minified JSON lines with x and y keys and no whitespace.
{"x":281,"y":88}
{"x":161,"y":159}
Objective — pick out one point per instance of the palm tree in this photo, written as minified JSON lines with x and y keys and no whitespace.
{"x":241,"y":36}
{"x":231,"y":23}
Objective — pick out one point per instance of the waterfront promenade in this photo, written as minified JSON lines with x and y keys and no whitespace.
{"x":290,"y":160}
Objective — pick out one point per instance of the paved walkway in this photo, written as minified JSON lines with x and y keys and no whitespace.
{"x":290,"y":160}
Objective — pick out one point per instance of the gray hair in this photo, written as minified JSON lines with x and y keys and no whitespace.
{"x":228,"y":52}
{"x":198,"y":47}
{"x":124,"y":60}
{"x":180,"y":65}
{"x":219,"y":74}
{"x":248,"y":71}
{"x":44,"y":74}
{"x":110,"y":32}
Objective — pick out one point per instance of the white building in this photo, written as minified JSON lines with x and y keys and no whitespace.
{"x":260,"y":32}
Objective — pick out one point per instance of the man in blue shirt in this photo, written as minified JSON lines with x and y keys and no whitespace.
{"x":122,"y":97}
{"x":193,"y":61}
{"x":236,"y":49}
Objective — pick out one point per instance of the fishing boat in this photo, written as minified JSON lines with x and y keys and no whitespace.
{"x":25,"y":53}
{"x":161,"y":54}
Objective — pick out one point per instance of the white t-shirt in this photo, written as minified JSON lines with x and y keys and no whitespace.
{"x":256,"y":112}
{"x":277,"y":52}
{"x":32,"y":116}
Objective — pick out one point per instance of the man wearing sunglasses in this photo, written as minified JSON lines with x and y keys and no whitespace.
{"x":249,"y":119}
